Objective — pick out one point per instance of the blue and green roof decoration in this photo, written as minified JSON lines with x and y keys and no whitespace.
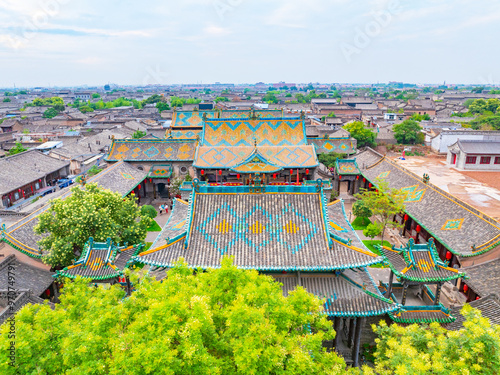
{"x":346,"y":167}
{"x":99,"y":261}
{"x":256,"y":163}
{"x":419,"y":263}
{"x":151,"y":150}
{"x":160,"y":171}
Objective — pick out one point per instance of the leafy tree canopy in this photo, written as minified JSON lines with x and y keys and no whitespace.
{"x":6,"y":100}
{"x":223,"y":321}
{"x":360,"y":209}
{"x":138,"y":134}
{"x":18,"y":148}
{"x":50,"y":113}
{"x":88,"y":212}
{"x":162,"y":106}
{"x":408,"y":132}
{"x":95,"y":95}
{"x":328,"y":159}
{"x":362,"y":134}
{"x":417,"y":117}
{"x":384,"y":202}
{"x":431,"y":349}
{"x":86,"y":108}
{"x":48,"y":101}
{"x":221,"y":99}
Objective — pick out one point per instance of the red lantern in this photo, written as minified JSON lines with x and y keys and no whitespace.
{"x":477,"y":297}
{"x":202,"y":172}
{"x":418,"y":228}
{"x":448,"y":255}
{"x":370,"y":185}
{"x":340,"y":177}
{"x":274,"y":176}
{"x":307,"y":171}
{"x":168,"y":180}
{"x":139,"y":187}
{"x":283,"y":272}
{"x":291,"y":171}
{"x":238,"y":176}
{"x":364,"y":179}
{"x":406,"y":217}
{"x":376,"y":190}
{"x":150,"y":180}
{"x":466,"y":288}
{"x":357,"y":177}
{"x":220,"y":172}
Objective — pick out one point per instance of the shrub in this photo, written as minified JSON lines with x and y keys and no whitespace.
{"x":149,"y":211}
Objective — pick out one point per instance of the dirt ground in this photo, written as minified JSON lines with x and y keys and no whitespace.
{"x":479,"y":189}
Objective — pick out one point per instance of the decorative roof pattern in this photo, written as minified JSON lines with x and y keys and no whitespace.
{"x":346,"y":167}
{"x":190,"y":119}
{"x":340,"y":145}
{"x":151,"y":150}
{"x":302,"y":156}
{"x":460,"y":228}
{"x":160,"y":171}
{"x":256,"y":163}
{"x":275,"y":231}
{"x":419,"y":263}
{"x":246,"y":132}
{"x":422,"y":314}
{"x":98,"y":261}
{"x":183,"y":134}
{"x":236,"y":114}
{"x":343,"y":296}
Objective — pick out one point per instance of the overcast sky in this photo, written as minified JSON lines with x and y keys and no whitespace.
{"x":70,"y":42}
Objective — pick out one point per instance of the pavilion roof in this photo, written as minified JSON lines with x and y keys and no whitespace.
{"x":100,"y":261}
{"x":338,"y":145}
{"x":347,"y":167}
{"x":422,"y":314}
{"x":151,"y":150}
{"x":419,"y":263}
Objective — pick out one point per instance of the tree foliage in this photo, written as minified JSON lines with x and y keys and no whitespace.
{"x":431,"y":349}
{"x":55,"y":100}
{"x":17,"y":149}
{"x":480,"y":106}
{"x":149,"y":211}
{"x":224,"y":321}
{"x":360,"y":209}
{"x":138,"y":134}
{"x":50,"y":113}
{"x":162,"y":106}
{"x":88,"y":212}
{"x":362,"y":134}
{"x":372,"y":230}
{"x":328,"y":159}
{"x":385,"y":202}
{"x":408,"y":132}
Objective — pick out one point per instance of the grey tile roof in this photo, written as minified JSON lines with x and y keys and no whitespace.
{"x":120,"y":177}
{"x":26,"y":277}
{"x":26,"y":167}
{"x":175,"y":225}
{"x":484,"y":277}
{"x":489,"y":307}
{"x":343,"y":296}
{"x":479,"y":147}
{"x":262,"y":231}
{"x":455,"y":224}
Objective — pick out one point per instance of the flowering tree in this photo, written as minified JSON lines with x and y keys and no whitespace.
{"x":223,"y":321}
{"x":431,"y":349}
{"x":89,"y":212}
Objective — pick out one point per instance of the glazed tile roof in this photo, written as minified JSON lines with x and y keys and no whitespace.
{"x":489,"y":307}
{"x":347,"y":167}
{"x":190,"y":119}
{"x":341,"y":145}
{"x":256,"y":163}
{"x":263,"y":231}
{"x":151,"y":150}
{"x":419,"y":263}
{"x":98,"y":261}
{"x":160,"y":171}
{"x":175,"y":225}
{"x":247,"y":132}
{"x":183,"y":134}
{"x":120,"y":177}
{"x":232,"y":114}
{"x":484,"y":277}
{"x":302,"y":156}
{"x":455,"y":224}
{"x":422,"y":314}
{"x":343,"y":296}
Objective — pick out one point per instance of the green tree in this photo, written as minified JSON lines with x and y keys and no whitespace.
{"x":50,"y":113}
{"x":431,"y":349}
{"x":331,"y":114}
{"x":88,"y":212}
{"x":270,"y":97}
{"x":177,"y":102}
{"x":138,"y":134}
{"x":149,"y":211}
{"x":153,"y":99}
{"x":162,"y":106}
{"x":385,"y":202}
{"x":18,"y":148}
{"x":221,"y":99}
{"x":86,"y":108}
{"x":417,"y":117}
{"x":328,"y":159}
{"x":93,"y":171}
{"x":468,"y":102}
{"x":95,"y":96}
{"x":6,"y":100}
{"x":407,"y":132}
{"x":360,"y":209}
{"x":372,"y":230}
{"x":223,"y":321}
{"x":362,"y":134}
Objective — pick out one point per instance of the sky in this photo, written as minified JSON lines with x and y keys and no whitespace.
{"x":90,"y":42}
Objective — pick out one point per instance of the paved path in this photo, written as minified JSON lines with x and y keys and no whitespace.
{"x":161,"y":220}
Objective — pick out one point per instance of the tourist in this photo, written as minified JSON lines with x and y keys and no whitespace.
{"x":161,"y":208}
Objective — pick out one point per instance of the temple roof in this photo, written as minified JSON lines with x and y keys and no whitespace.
{"x":249,"y":132}
{"x":489,"y":307}
{"x":100,"y":261}
{"x":175,"y":226}
{"x":419,"y":263}
{"x":422,"y":314}
{"x":338,"y":145}
{"x":348,"y":294}
{"x":346,"y":167}
{"x":191,"y":134}
{"x":256,"y":163}
{"x":302,"y":156}
{"x":268,"y":231}
{"x":461,"y":228}
{"x":190,"y":119}
{"x":160,"y":171}
{"x":484,"y":278}
{"x":151,"y":150}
